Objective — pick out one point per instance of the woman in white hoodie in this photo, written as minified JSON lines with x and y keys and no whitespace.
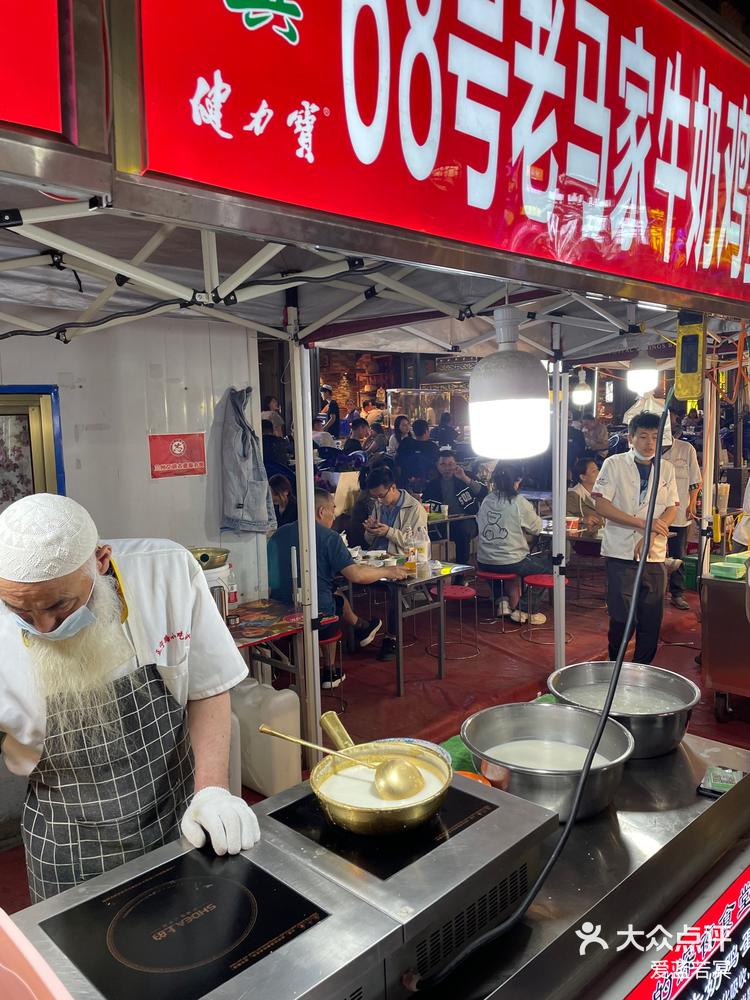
{"x":502,"y":546}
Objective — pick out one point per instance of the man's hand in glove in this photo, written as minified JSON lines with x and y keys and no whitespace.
{"x":227,"y":819}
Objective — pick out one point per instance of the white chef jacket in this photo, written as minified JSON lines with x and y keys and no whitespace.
{"x":172,"y":621}
{"x":682,"y":455}
{"x":619,"y":482}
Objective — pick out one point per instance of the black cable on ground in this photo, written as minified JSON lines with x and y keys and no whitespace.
{"x":411,"y":980}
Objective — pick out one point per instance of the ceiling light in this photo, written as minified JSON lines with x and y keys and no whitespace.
{"x":655,"y":306}
{"x":509,"y":407}
{"x":642,"y":376}
{"x":582,"y":393}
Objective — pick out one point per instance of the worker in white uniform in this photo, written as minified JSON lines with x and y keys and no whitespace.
{"x":683,"y":457}
{"x":114,"y":696}
{"x":741,"y":534}
{"x":621,"y":492}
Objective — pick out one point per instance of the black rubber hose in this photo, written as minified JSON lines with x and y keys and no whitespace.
{"x":411,"y":980}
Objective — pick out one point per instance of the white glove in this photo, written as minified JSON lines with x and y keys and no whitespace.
{"x":228,"y":820}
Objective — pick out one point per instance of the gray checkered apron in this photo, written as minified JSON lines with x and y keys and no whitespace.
{"x":113,"y":797}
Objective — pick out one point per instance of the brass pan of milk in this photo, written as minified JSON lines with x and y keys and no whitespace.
{"x":390,"y":818}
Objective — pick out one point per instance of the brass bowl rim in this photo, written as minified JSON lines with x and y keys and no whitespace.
{"x":431,"y":758}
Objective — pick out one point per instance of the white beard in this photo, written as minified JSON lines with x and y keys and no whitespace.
{"x":75,"y":675}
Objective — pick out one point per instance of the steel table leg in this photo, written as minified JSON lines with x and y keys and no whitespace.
{"x":441,"y":628}
{"x":396,"y":596}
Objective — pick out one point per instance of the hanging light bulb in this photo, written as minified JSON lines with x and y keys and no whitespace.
{"x":582,"y":393}
{"x":509,"y":407}
{"x":642,"y":376}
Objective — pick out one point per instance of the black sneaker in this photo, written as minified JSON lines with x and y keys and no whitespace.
{"x":367,"y":633}
{"x":331,"y":678}
{"x":388,"y":649}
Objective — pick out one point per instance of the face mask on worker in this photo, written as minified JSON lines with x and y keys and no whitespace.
{"x":80,"y":619}
{"x":641,"y":457}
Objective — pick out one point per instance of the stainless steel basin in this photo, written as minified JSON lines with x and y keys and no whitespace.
{"x":565,"y":723}
{"x":654,"y":734}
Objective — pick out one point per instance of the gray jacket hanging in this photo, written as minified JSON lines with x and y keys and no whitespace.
{"x":248,"y":505}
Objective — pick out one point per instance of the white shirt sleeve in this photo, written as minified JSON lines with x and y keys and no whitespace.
{"x":214,"y":663}
{"x":694,"y":469}
{"x":606,"y":482}
{"x":530,"y":520}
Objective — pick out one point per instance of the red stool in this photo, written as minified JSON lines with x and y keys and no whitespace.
{"x":335,"y":640}
{"x":499,"y":578}
{"x":544,"y":581}
{"x":457,"y":594}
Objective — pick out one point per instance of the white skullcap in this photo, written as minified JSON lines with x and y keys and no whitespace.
{"x":44,"y":537}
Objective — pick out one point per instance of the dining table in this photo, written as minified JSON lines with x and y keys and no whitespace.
{"x":260,"y":626}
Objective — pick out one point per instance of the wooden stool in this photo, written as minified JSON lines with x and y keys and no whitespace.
{"x":544,"y":581}
{"x":499,"y":578}
{"x":334,"y":640}
{"x":451,"y":592}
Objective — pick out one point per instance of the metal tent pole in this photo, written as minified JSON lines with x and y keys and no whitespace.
{"x":709,"y":459}
{"x":559,"y":483}
{"x":309,"y":669}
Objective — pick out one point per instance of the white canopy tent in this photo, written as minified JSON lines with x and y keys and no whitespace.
{"x":96,"y":267}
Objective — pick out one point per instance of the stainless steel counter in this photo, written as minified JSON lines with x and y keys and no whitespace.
{"x":629,"y":865}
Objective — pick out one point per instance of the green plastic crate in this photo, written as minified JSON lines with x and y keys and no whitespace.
{"x":690,"y":570}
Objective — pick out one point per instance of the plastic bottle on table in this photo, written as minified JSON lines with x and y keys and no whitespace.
{"x":422,"y":551}
{"x":410,"y":551}
{"x":232,"y":592}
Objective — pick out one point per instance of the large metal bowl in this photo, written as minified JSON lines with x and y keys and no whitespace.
{"x":654,"y":734}
{"x":210,"y":557}
{"x":537,"y":720}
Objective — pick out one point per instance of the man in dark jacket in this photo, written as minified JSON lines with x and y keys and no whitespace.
{"x":275,"y":449}
{"x":462,"y":495}
{"x":417,"y":457}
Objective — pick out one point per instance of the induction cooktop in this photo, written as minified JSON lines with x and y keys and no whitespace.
{"x":384,"y":857}
{"x":181,"y":929}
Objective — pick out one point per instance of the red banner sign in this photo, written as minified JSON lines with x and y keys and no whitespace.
{"x":177,"y":455}
{"x":30,"y":90}
{"x":710,"y":958}
{"x":608,"y":135}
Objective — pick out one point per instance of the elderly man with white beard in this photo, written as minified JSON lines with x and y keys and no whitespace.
{"x":115,"y":671}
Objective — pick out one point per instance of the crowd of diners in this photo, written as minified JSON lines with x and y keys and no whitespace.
{"x":411,"y":468}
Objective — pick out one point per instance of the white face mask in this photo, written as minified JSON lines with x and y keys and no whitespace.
{"x":70,"y":626}
{"x":642,"y":458}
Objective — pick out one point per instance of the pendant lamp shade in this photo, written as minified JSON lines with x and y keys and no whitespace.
{"x":642,"y":376}
{"x":509,"y":407}
{"x":582,"y":393}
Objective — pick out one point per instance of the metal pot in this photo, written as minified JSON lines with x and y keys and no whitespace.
{"x":537,"y":720}
{"x":656,"y":733}
{"x":210,"y":558}
{"x":363,"y":819}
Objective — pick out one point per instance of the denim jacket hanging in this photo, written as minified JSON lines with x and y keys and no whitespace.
{"x":248,"y":505}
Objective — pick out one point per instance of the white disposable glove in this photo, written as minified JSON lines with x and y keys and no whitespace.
{"x":227,"y":819}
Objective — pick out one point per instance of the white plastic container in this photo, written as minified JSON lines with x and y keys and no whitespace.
{"x":268,"y":765}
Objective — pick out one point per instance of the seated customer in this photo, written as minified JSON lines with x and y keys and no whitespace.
{"x":332,"y":558}
{"x":275,"y":448}
{"x":377,"y":443}
{"x":395,"y":511}
{"x":417,"y":457}
{"x":462,"y":494}
{"x":579,"y":502}
{"x":502,"y":546}
{"x":358,"y":435}
{"x":321,"y":437}
{"x":401,"y":430}
{"x":284,"y":502}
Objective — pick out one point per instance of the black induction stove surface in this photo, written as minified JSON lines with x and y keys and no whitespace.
{"x":182,"y":929}
{"x":385,"y":856}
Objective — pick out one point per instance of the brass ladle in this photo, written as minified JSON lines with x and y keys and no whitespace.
{"x":395,"y":778}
